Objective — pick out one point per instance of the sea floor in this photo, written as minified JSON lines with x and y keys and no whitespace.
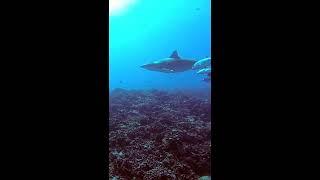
{"x":159,"y":135}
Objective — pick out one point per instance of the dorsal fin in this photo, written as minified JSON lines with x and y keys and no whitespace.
{"x":175,"y":55}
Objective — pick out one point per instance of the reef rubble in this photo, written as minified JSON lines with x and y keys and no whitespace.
{"x":158,"y":135}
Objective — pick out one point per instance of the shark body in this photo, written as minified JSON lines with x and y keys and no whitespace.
{"x":172,"y":64}
{"x":204,"y":71}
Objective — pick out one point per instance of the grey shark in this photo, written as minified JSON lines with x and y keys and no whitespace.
{"x":204,"y":71}
{"x":172,"y":64}
{"x":203,"y":63}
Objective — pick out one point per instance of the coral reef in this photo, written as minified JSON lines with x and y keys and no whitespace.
{"x":158,"y":135}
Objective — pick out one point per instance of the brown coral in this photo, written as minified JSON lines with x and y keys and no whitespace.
{"x":158,"y":135}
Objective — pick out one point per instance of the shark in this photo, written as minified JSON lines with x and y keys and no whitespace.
{"x":204,"y":67}
{"x":204,"y":71}
{"x":202,"y":63}
{"x":173,"y":64}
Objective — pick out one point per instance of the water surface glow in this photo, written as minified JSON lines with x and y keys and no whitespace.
{"x":117,"y":7}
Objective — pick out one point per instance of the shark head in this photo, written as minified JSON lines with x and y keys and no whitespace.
{"x":203,"y":63}
{"x":160,"y":67}
{"x":204,"y":71}
{"x":151,"y":66}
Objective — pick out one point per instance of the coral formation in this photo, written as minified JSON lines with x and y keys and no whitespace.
{"x":158,"y":135}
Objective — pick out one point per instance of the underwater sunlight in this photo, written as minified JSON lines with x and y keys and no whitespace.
{"x":117,"y":7}
{"x":159,"y":90}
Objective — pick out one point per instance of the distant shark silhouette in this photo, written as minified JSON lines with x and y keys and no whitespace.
{"x":172,"y":64}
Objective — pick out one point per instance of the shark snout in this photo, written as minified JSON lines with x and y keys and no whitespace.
{"x":145,"y":66}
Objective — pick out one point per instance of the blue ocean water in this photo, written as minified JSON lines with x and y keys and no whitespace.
{"x":147,"y":30}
